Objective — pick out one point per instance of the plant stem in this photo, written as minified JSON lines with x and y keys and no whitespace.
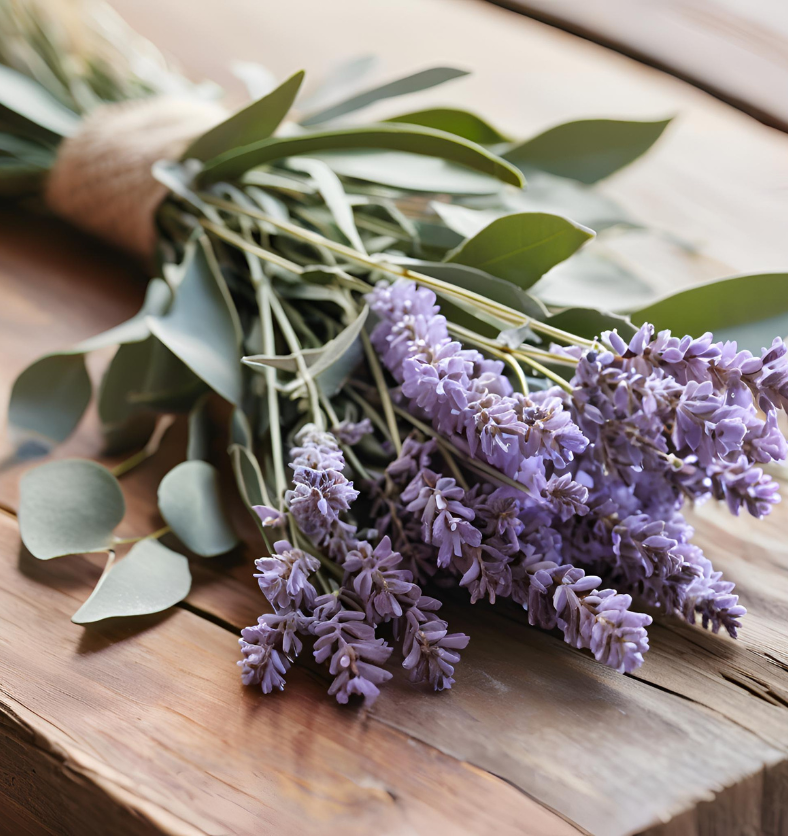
{"x":350,"y":454}
{"x":295,"y":347}
{"x":383,"y":391}
{"x":119,"y":541}
{"x":503,"y":312}
{"x":162,"y":425}
{"x":501,"y":352}
{"x":264,"y":294}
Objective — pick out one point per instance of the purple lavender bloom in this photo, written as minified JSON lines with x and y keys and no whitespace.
{"x":318,"y":498}
{"x":284,"y":577}
{"x":270,"y":517}
{"x":381,"y":585}
{"x":741,"y":484}
{"x":431,"y":652}
{"x":264,"y":663}
{"x":350,"y":433}
{"x":355,"y":655}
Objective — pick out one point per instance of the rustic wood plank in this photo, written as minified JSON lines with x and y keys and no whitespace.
{"x":143,"y":727}
{"x":697,"y":758}
{"x":734,"y":50}
{"x":717,"y":179}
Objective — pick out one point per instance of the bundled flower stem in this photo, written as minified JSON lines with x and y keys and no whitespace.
{"x":386,"y":445}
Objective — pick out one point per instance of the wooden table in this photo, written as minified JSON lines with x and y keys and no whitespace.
{"x":142,"y":726}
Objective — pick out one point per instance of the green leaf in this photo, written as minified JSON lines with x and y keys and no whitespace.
{"x":201,"y":330}
{"x":199,"y":443}
{"x":70,"y":506}
{"x":157,"y":299}
{"x":749,"y":309}
{"x":559,"y":196}
{"x":125,"y":422}
{"x":522,"y":247}
{"x":589,"y":323}
{"x":423,"y":80}
{"x":190,"y":502}
{"x":318,"y":360}
{"x":589,"y":278}
{"x":254,"y":122}
{"x":150,"y":578}
{"x":248,"y":477}
{"x":469,"y":278}
{"x":168,"y":384}
{"x":587,"y":150}
{"x":409,"y":138}
{"x":410,"y":172}
{"x":341,"y":79}
{"x":454,"y":121}
{"x":333,"y":193}
{"x":334,"y":350}
{"x":29,"y":100}
{"x":49,"y":397}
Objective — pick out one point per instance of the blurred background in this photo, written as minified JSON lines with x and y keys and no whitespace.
{"x":716,"y":184}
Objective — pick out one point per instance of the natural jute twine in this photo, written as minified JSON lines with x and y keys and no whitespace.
{"x":102,"y":181}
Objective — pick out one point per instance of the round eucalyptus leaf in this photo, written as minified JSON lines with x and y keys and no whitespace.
{"x":190,"y":502}
{"x":69,"y":507}
{"x":50,"y":396}
{"x":149,"y":579}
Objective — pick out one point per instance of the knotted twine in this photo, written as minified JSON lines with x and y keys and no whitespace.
{"x":101,"y":180}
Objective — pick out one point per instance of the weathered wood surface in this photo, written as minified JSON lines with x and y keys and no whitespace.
{"x":145,"y":726}
{"x":735,"y":49}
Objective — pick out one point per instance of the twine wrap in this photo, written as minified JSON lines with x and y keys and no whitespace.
{"x":101,"y":180}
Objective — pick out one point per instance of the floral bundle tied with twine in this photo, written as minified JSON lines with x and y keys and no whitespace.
{"x":415,"y":406}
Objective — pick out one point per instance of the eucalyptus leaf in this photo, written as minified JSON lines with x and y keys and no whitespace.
{"x":412,"y":139}
{"x":240,"y":430}
{"x":410,"y":172}
{"x":318,"y":360}
{"x":590,"y":278}
{"x":749,"y":309}
{"x":252,"y":123}
{"x":248,"y":477}
{"x":49,"y":397}
{"x":333,"y":193}
{"x":168,"y":384}
{"x":470,"y":278}
{"x":589,"y":323}
{"x":522,"y":247}
{"x":454,"y":121}
{"x":199,"y":444}
{"x":423,"y":80}
{"x":342,"y":79}
{"x":125,"y":422}
{"x":70,"y":506}
{"x":562,"y":196}
{"x":335,"y":349}
{"x":149,"y":579}
{"x":29,"y":100}
{"x":258,"y":80}
{"x":201,"y":328}
{"x":587,"y":150}
{"x":190,"y":502}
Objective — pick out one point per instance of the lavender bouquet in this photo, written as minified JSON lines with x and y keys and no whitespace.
{"x":414,"y":410}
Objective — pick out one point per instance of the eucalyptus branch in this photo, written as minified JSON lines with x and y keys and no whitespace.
{"x":162,"y":425}
{"x":505,"y":313}
{"x":119,"y":541}
{"x":295,"y":347}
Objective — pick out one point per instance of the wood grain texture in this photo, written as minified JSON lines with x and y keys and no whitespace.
{"x":717,"y":180}
{"x":144,"y":724}
{"x":143,"y":727}
{"x":735,"y":49}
